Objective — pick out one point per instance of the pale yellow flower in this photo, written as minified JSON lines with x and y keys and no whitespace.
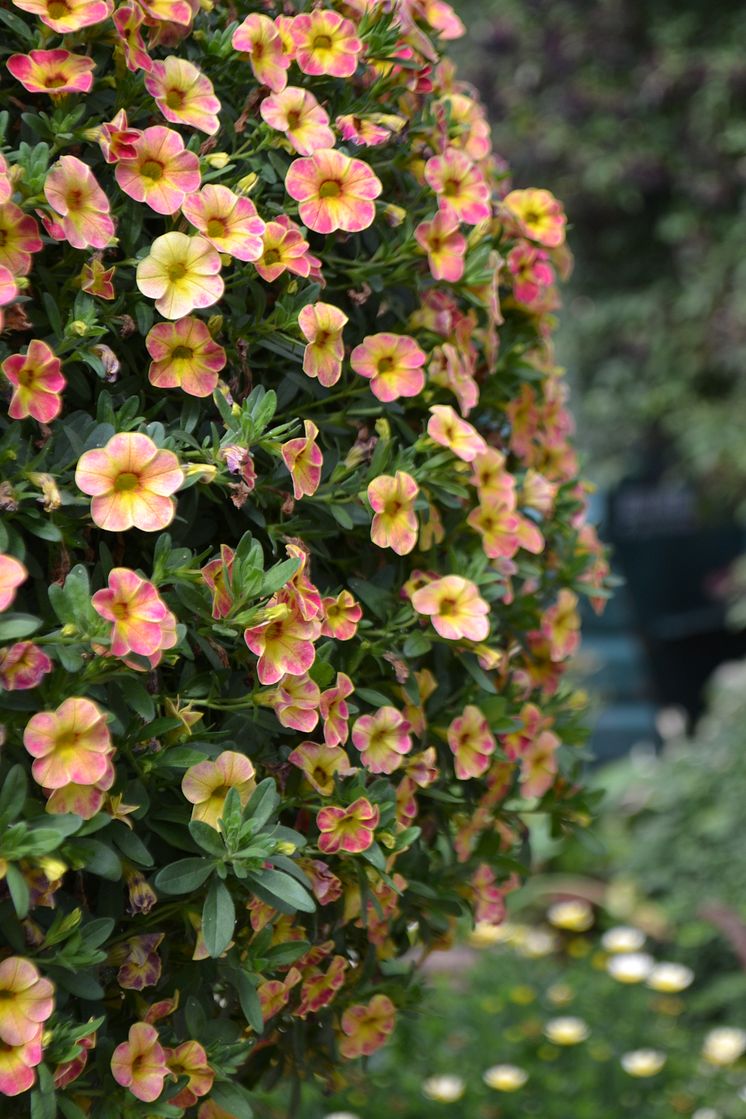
{"x":643,"y":1062}
{"x":566,"y":1031}
{"x":505,"y":1078}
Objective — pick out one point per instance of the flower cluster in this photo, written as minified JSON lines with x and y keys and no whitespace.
{"x":292,"y":540}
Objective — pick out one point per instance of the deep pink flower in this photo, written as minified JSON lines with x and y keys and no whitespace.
{"x":54,"y":72}
{"x":23,"y":666}
{"x":141,"y":621}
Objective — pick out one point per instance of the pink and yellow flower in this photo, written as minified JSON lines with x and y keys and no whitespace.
{"x":461,"y":189}
{"x":217,"y":574}
{"x":67,"y":15}
{"x":70,"y":744}
{"x":140,"y":964}
{"x":539,"y":215}
{"x":227,"y":220}
{"x":382,"y":739}
{"x":12,"y":574}
{"x":392,"y":500}
{"x":393,"y":364}
{"x":325,"y":43}
{"x":19,"y":238}
{"x":6,"y":183}
{"x":207,"y":784}
{"x":141,"y":621}
{"x":184,"y":94}
{"x":8,"y":290}
{"x":180,"y":273}
{"x":131,"y":482}
{"x":539,"y":764}
{"x":335,"y":711}
{"x":26,"y":1001}
{"x":128,"y":19}
{"x":319,"y":988}
{"x":319,"y":764}
{"x":455,"y":608}
{"x":54,"y":72}
{"x":350,"y":830}
{"x":472,"y":743}
{"x":284,"y":644}
{"x":295,"y":702}
{"x":23,"y":666}
{"x":369,"y":131}
{"x":190,"y":1059}
{"x":285,"y":249}
{"x":37,"y":381}
{"x":333,"y":191}
{"x":71,"y":190}
{"x":531,"y":271}
{"x":445,"y":246}
{"x":17,"y":1064}
{"x":304,"y":460}
{"x":184,"y":356}
{"x":561,"y":626}
{"x":297,"y":113}
{"x":259,"y":38}
{"x":322,"y":326}
{"x":85,"y":801}
{"x":97,"y":280}
{"x":140,"y":1063}
{"x":161,"y":173}
{"x":366,"y":1027}
{"x":341,"y":616}
{"x":448,"y":429}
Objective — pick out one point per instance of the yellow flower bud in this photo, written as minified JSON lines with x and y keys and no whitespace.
{"x":79,"y":327}
{"x":205,"y":472}
{"x":215,"y":324}
{"x":383,"y":429}
{"x":286,"y":848}
{"x":69,"y":630}
{"x":247,"y":183}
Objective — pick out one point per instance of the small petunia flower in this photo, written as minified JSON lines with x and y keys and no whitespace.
{"x":82,"y":800}
{"x":79,"y":203}
{"x":161,"y":173}
{"x":539,"y":764}
{"x":349,"y":830}
{"x":285,"y":250}
{"x":333,"y":191}
{"x":207,"y":784}
{"x":37,"y":381}
{"x":392,"y":363}
{"x":369,"y":132}
{"x":319,"y":764}
{"x":284,"y":644}
{"x":184,"y":94}
{"x":23,"y":666}
{"x":181,"y":273}
{"x":184,"y":356}
{"x":140,"y":966}
{"x":325,"y":43}
{"x":17,"y":1065}
{"x":128,"y":19}
{"x":169,"y":11}
{"x":366,"y":1027}
{"x":227,"y":220}
{"x":19,"y":238}
{"x":539,"y":215}
{"x":64,"y":16}
{"x":190,"y":1059}
{"x":445,"y":246}
{"x":12,"y":574}
{"x":341,"y":616}
{"x":69,"y":1071}
{"x":295,"y":702}
{"x":304,"y":460}
{"x":69,"y":744}
{"x":461,"y":189}
{"x":6,"y":183}
{"x":472,"y":743}
{"x":322,"y":325}
{"x":8,"y":290}
{"x":26,"y":1001}
{"x":131,"y":482}
{"x":141,"y":621}
{"x":561,"y":626}
{"x":455,"y":607}
{"x":448,"y":429}
{"x":382,"y":739}
{"x":392,"y":500}
{"x":335,"y":711}
{"x":217,"y":574}
{"x":319,"y":988}
{"x":531,"y":271}
{"x":297,"y":113}
{"x":259,"y":38}
{"x":98,"y":280}
{"x":139,"y":1063}
{"x":55,"y":72}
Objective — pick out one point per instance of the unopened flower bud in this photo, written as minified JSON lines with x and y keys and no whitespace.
{"x":204,"y":472}
{"x":77,"y":326}
{"x":215,"y":324}
{"x":217,"y":160}
{"x":247,"y":183}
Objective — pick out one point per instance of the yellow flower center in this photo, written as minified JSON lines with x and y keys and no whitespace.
{"x":447,"y":606}
{"x":392,"y":507}
{"x":531,"y":217}
{"x":54,"y":81}
{"x":177,"y":271}
{"x":152,"y":169}
{"x":320,"y":775}
{"x":451,"y":188}
{"x":67,"y":741}
{"x":293,"y":118}
{"x":175,"y":98}
{"x":57,"y":9}
{"x":386,"y":364}
{"x":331,"y":188}
{"x":322,"y":43}
{"x":182,"y":353}
{"x":221,"y":791}
{"x":216,"y":227}
{"x":121,"y":611}
{"x":26,"y":377}
{"x":272,"y":256}
{"x":4,"y":238}
{"x":126,"y":482}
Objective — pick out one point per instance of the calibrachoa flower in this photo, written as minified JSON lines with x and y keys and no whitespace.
{"x":116,"y":139}
{"x":561,"y":626}
{"x":128,"y":19}
{"x":37,"y":381}
{"x":140,"y":1063}
{"x":285,"y":249}
{"x":455,"y":607}
{"x":180,"y":273}
{"x":334,"y":191}
{"x":297,"y":113}
{"x":160,"y":173}
{"x":395,"y":521}
{"x":472,"y":743}
{"x":6,"y":185}
{"x":97,"y":280}
{"x":349,"y":830}
{"x":207,"y":784}
{"x":284,"y":644}
{"x":319,"y":764}
{"x":17,"y":1064}
{"x":531,"y":271}
{"x":23,"y":666}
{"x":190,"y":1059}
{"x":82,"y":800}
{"x":71,"y":190}
{"x":131,"y":482}
{"x":228,"y":221}
{"x":366,"y":1026}
{"x":54,"y":72}
{"x":322,"y":326}
{"x":539,"y":214}
{"x":334,"y":710}
{"x":70,"y":744}
{"x":341,"y":616}
{"x":325,"y":43}
{"x":12,"y":574}
{"x":448,"y":429}
{"x":67,"y":15}
{"x":141,"y":621}
{"x":217,"y":575}
{"x":393,"y":364}
{"x":462,"y":191}
{"x":184,"y":356}
{"x":304,"y":460}
{"x":382,"y":739}
{"x":369,"y":131}
{"x":183,"y":94}
{"x":19,"y":238}
{"x":445,"y":246}
{"x":258,"y":37}
{"x":26,"y":1001}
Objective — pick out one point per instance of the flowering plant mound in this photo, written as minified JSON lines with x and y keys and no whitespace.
{"x":292,"y":539}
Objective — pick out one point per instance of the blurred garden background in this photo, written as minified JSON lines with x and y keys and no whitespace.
{"x":617,"y":984}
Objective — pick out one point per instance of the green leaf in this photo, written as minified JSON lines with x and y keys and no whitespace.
{"x":43,"y":1105}
{"x":183,"y":876}
{"x":100,"y":859}
{"x":95,"y":933}
{"x":249,"y":1000}
{"x":370,"y":695}
{"x":12,"y":795}
{"x":285,"y":888}
{"x":478,"y":675}
{"x":132,"y":847}
{"x":233,"y":1099}
{"x":19,"y":891}
{"x":208,"y":839}
{"x":218,"y":918}
{"x":378,"y":600}
{"x":264,"y":801}
{"x":417,"y":645}
{"x":137,"y":697}
{"x":15,"y":626}
{"x":278,"y":576}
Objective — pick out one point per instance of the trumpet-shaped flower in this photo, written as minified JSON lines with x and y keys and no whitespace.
{"x":285,"y":250}
{"x":141,"y":621}
{"x":539,"y":215}
{"x":227,"y":220}
{"x":370,"y":131}
{"x":128,"y":19}
{"x":85,"y":801}
{"x":531,"y":271}
{"x":217,"y":574}
{"x":319,"y":764}
{"x":333,"y":191}
{"x":6,"y":183}
{"x":54,"y":72}
{"x":445,"y":246}
{"x":12,"y":574}
{"x":23,"y":666}
{"x":472,"y":743}
{"x":448,"y":429}
{"x":325,"y":43}
{"x":366,"y":1027}
{"x":161,"y":173}
{"x":140,"y":964}
{"x":350,"y":830}
{"x":131,"y":482}
{"x":37,"y":381}
{"x":335,"y":711}
{"x":295,"y":702}
{"x":461,"y":189}
{"x":322,"y":326}
{"x":70,"y":744}
{"x":393,"y":364}
{"x":297,"y":113}
{"x":190,"y":1059}
{"x":304,"y":460}
{"x":207,"y":784}
{"x":17,"y":1064}
{"x":19,"y":238}
{"x":283,"y":645}
{"x":392,"y":500}
{"x":382,"y":739}
{"x":71,"y":190}
{"x":341,"y":616}
{"x":140,"y":1063}
{"x":184,"y":356}
{"x":26,"y":1001}
{"x":97,"y":280}
{"x":184,"y":94}
{"x":64,"y":16}
{"x":259,"y":38}
{"x":455,"y":607}
{"x":180,"y":273}
{"x":561,"y":626}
